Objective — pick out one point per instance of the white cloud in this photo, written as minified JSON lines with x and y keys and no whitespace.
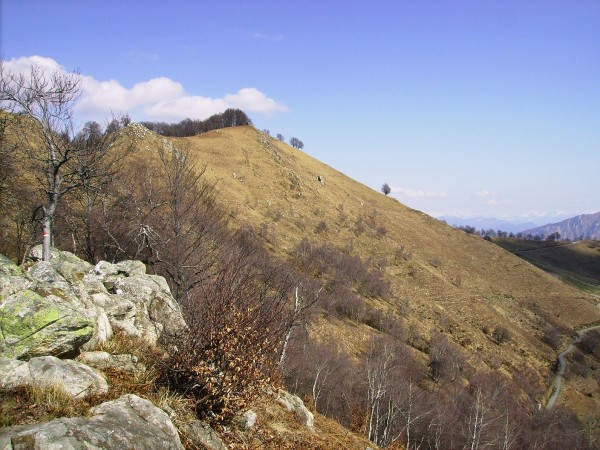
{"x":102,"y":97}
{"x":483,"y":193}
{"x":23,"y":65}
{"x":156,"y":99}
{"x":410,"y":193}
{"x":541,"y":214}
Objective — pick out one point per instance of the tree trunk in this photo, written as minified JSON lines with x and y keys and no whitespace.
{"x":47,"y":225}
{"x":47,"y":229}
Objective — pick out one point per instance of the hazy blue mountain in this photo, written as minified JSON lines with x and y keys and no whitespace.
{"x":584,"y":226}
{"x":487,"y":223}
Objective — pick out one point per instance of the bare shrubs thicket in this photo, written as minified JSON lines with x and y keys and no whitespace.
{"x":235,"y":300}
{"x":237,"y":321}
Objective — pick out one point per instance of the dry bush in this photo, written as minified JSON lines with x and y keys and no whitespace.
{"x":321,"y":227}
{"x":590,"y":343}
{"x":381,"y":231}
{"x":342,"y":266}
{"x":500,"y":334}
{"x":402,"y":254}
{"x":552,"y":337}
{"x":237,"y":322}
{"x":445,"y":358}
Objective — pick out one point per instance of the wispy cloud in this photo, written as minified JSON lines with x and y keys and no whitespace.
{"x":144,"y":56}
{"x":483,"y":193}
{"x":267,"y":37}
{"x":155,"y":99}
{"x":411,"y":193}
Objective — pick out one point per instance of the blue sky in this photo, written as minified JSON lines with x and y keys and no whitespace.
{"x":468,"y":108}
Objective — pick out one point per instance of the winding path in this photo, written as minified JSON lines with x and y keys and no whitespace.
{"x":562,"y":364}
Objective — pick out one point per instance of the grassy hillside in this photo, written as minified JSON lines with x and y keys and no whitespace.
{"x":577,"y":263}
{"x":488,"y":310}
{"x":442,"y":278}
{"x":291,"y":195}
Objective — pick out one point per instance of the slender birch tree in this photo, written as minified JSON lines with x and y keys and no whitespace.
{"x":42,"y":104}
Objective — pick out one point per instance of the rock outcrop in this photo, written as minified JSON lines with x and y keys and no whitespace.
{"x":75,"y":378}
{"x":104,"y":360}
{"x":55,"y":307}
{"x":294,"y":404}
{"x":52,"y":311}
{"x":128,"y":422}
{"x":203,"y":436}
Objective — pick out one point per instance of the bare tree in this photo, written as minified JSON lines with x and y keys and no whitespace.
{"x":379,"y":367}
{"x":98,"y":163}
{"x":302,"y":302}
{"x":194,"y":226}
{"x":43,"y":104}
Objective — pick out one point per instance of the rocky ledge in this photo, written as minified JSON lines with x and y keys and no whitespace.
{"x":55,"y":315}
{"x":51,"y":312}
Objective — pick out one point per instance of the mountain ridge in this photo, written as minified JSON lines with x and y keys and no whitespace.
{"x":583,"y":226}
{"x":249,"y":178}
{"x":488,"y":223}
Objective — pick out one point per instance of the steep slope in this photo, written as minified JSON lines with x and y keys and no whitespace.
{"x":492,"y":313}
{"x":584,"y":226}
{"x":574,"y":262}
{"x":450,"y":280}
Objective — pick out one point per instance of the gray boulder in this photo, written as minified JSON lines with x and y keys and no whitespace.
{"x":294,"y":404}
{"x":136,"y":303}
{"x":247,"y":420}
{"x":104,"y":360}
{"x":75,"y":378}
{"x":33,"y":325}
{"x":58,"y":306}
{"x":126,"y":423}
{"x":202,"y":435}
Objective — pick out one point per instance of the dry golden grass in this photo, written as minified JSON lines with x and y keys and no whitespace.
{"x":33,"y":404}
{"x":577,"y":263}
{"x":277,"y":428}
{"x":444,"y":275}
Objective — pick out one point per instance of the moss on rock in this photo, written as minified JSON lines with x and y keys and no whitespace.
{"x":31,"y":325}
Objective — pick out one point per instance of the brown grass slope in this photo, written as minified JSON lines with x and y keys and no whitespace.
{"x":575,"y":262}
{"x":451,"y":281}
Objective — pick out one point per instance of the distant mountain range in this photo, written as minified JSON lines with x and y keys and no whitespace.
{"x":585,"y":226}
{"x":487,"y":223}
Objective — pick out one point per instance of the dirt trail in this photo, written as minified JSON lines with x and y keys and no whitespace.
{"x":562,"y":364}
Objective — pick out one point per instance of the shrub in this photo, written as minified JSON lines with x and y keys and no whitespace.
{"x":445,"y":359}
{"x":321,"y":227}
{"x":551,"y":337}
{"x":589,"y":343}
{"x":402,"y":254}
{"x":500,"y":334}
{"x":229,"y":353}
{"x":374,"y":318}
